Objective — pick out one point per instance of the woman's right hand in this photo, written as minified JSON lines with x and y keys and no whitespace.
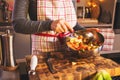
{"x":61,"y":26}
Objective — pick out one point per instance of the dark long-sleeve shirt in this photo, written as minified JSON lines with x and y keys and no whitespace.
{"x":24,"y":18}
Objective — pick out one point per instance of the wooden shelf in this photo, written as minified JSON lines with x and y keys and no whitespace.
{"x":100,"y":25}
{"x":93,"y":23}
{"x":105,"y":6}
{"x":5,"y":24}
{"x":3,"y":28}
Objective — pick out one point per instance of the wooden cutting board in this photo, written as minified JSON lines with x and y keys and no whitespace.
{"x":74,"y":68}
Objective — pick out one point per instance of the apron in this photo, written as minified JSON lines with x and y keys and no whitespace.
{"x":52,"y":10}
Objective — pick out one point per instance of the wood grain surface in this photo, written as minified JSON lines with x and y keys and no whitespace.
{"x":71,"y":67}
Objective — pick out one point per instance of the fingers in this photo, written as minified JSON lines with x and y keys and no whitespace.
{"x":61,"y":26}
{"x":95,"y":29}
{"x":59,"y":29}
{"x":64,"y":26}
{"x":69,"y":28}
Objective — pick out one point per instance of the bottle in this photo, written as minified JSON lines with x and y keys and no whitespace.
{"x":4,"y":7}
{"x":8,"y":62}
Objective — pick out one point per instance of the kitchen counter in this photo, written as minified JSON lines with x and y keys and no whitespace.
{"x":19,"y":74}
{"x":5,"y":24}
{"x":22,"y":72}
{"x":9,"y":75}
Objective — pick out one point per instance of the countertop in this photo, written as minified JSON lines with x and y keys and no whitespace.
{"x":19,"y":74}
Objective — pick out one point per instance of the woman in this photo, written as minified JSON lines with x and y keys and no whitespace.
{"x":44,"y":20}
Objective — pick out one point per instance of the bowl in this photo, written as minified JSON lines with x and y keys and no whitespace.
{"x":85,"y":42}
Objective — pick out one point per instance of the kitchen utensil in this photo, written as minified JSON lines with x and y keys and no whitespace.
{"x":49,"y":63}
{"x":7,"y":57}
{"x":85,"y":41}
{"x":33,"y":65}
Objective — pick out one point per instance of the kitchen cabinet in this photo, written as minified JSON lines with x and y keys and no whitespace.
{"x":117,"y":18}
{"x":102,"y":15}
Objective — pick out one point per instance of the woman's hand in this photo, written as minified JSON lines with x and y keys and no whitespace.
{"x":61,"y":26}
{"x":94,"y":29}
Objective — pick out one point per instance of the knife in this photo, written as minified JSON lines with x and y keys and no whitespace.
{"x":49,"y":64}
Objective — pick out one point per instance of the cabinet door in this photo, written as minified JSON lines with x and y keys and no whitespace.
{"x":22,"y":45}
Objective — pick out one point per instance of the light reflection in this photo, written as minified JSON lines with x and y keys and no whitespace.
{"x":93,"y":3}
{"x":101,"y":0}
